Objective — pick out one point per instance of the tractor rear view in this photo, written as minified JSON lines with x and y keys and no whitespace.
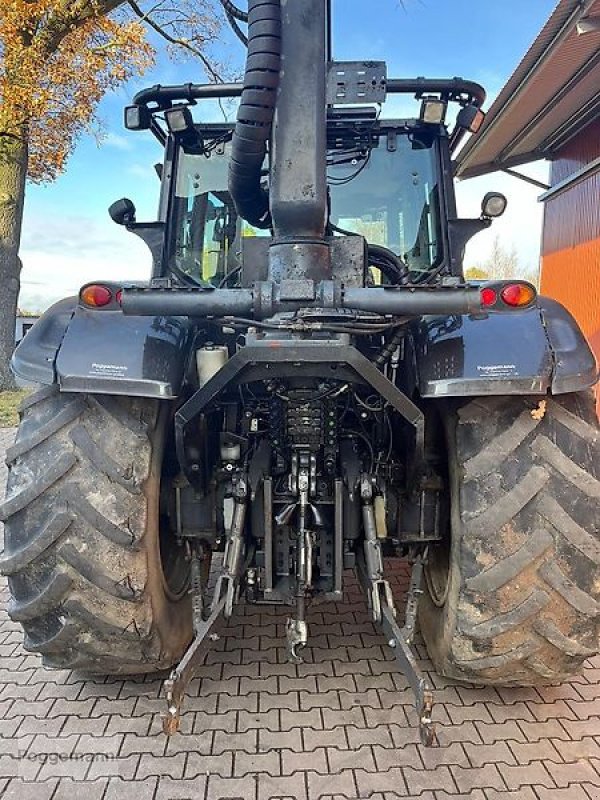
{"x":306,"y":385}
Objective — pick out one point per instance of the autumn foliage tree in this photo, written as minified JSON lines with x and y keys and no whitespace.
{"x":476,"y":274}
{"x":57,"y":60}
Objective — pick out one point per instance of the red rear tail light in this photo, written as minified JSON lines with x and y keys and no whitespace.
{"x":518,"y":294}
{"x":489,"y":297}
{"x":96,"y":296}
{"x":498,"y":295}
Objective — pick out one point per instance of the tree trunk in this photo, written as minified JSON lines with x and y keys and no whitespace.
{"x":13,"y":172}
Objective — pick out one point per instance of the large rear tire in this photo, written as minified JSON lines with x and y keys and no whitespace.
{"x":91,"y":582}
{"x":514,"y":597}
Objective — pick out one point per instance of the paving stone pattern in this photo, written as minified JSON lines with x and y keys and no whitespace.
{"x":341,"y":725}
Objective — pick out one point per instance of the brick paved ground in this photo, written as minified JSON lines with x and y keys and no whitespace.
{"x":255,"y":728}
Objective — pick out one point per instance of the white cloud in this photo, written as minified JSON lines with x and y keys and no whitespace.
{"x":117,"y":142}
{"x":520,"y":226}
{"x":62,"y":254}
{"x":143,"y":172}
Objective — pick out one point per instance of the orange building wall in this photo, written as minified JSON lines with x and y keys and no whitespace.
{"x":571,"y":239}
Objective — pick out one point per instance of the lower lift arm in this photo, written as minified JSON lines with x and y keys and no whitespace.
{"x":381,"y":603}
{"x":225,"y":594}
{"x":400,"y":640}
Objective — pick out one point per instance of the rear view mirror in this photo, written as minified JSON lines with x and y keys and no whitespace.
{"x":122,"y":212}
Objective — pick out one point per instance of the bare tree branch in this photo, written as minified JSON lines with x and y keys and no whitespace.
{"x":172,"y":40}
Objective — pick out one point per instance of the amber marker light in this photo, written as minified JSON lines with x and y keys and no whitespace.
{"x":518,"y":295}
{"x":96,"y":296}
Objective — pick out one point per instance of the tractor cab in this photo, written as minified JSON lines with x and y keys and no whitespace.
{"x":389,"y":181}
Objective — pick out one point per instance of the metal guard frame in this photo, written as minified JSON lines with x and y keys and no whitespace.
{"x":322,"y":358}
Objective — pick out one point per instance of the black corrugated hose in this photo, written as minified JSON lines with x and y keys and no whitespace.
{"x":256,"y":111}
{"x":235,"y":12}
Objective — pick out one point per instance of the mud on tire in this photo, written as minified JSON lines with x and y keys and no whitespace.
{"x":515,"y":599}
{"x":82,"y":547}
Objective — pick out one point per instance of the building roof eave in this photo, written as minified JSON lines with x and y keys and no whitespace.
{"x":553,"y":93}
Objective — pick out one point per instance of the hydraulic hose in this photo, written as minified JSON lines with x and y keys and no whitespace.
{"x":255,"y":115}
{"x":380,"y":257}
{"x":234,"y":11}
{"x":234,"y":14}
{"x":388,"y":262}
{"x":390,"y":348}
{"x":236,"y":29}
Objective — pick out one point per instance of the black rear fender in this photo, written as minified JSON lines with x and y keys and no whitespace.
{"x":105,"y":352}
{"x":534,"y":351}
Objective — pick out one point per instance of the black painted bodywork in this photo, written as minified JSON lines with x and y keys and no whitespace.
{"x":105,"y":352}
{"x":534,"y":351}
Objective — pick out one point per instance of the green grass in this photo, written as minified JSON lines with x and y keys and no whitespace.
{"x":9,"y":405}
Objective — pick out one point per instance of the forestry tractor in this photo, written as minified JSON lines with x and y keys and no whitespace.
{"x":307,"y":385}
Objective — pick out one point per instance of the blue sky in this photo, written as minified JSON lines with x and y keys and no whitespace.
{"x":68,"y":237}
